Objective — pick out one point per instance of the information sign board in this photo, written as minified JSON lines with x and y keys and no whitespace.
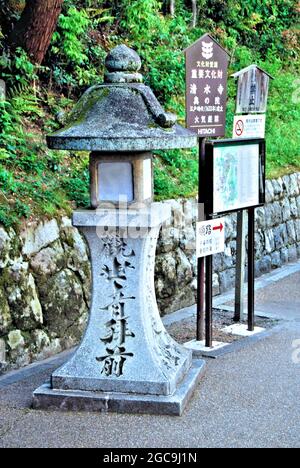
{"x":236,"y":170}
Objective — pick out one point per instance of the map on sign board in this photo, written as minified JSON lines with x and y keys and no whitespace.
{"x":236,"y":177}
{"x":206,"y":87}
{"x":210,"y":237}
{"x":249,"y":126}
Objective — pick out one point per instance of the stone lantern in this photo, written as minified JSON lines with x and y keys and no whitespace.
{"x":127,"y":362}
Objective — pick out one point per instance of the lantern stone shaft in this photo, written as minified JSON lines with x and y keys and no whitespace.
{"x":127,"y":361}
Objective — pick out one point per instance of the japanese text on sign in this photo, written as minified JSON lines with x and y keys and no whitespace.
{"x":210,"y":237}
{"x":206,"y":93}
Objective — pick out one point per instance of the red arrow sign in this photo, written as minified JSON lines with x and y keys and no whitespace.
{"x":218,"y":228}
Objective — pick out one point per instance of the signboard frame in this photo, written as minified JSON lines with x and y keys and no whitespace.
{"x":209,"y":171}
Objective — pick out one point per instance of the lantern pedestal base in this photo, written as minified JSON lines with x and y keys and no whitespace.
{"x":45,"y":398}
{"x":127,"y":361}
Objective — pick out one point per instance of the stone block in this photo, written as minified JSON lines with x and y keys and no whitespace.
{"x":183,"y":268}
{"x":227,"y":258}
{"x":270,"y":195}
{"x":22,"y":297}
{"x":218,"y":262}
{"x":276,"y":260}
{"x":265,"y":265}
{"x":49,"y":260}
{"x":47,"y":398}
{"x":268,"y":213}
{"x":293,"y":187}
{"x":4,"y":247}
{"x":277,"y":213}
{"x":280,"y":236}
{"x":292,"y":254}
{"x":188,"y":239}
{"x":35,"y":238}
{"x":286,"y":210}
{"x":168,"y":240}
{"x":278,"y":188}
{"x":297,"y":229}
{"x":260,"y":217}
{"x":291,"y":232}
{"x":287,"y":185}
{"x":216,"y":284}
{"x":298,"y":206}
{"x":15,"y":340}
{"x":230,"y":227}
{"x":63,"y":304}
{"x":284,"y":253}
{"x":269,"y":240}
{"x":190,"y":211}
{"x":227,"y":280}
{"x":5,"y":317}
{"x":2,"y":351}
{"x":294,"y":209}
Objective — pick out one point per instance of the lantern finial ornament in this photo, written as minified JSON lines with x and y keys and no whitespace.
{"x":122,"y":65}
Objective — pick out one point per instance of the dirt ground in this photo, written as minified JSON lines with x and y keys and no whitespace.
{"x":186,"y":330}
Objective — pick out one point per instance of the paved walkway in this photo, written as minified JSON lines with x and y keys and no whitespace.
{"x":246,"y":399}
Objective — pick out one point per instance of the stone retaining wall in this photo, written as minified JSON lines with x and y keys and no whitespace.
{"x":45,"y":271}
{"x":44,"y":291}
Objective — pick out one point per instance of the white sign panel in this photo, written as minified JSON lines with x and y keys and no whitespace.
{"x":210,"y":237}
{"x":236,"y":177}
{"x":249,"y":126}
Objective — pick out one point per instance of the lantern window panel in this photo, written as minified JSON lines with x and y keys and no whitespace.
{"x":115,"y":181}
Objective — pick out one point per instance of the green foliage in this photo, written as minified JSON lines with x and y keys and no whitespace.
{"x":35,"y":181}
{"x":76,"y":55}
{"x":66,"y":41}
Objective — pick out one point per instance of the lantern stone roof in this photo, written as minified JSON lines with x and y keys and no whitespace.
{"x":121,"y":115}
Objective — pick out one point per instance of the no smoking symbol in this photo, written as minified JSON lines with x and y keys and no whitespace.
{"x":239,"y":127}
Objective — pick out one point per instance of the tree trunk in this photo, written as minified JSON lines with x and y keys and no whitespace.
{"x":172,"y":7}
{"x":34,"y":30}
{"x":195,"y":13}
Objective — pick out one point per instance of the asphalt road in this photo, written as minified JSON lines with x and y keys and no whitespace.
{"x":249,"y":398}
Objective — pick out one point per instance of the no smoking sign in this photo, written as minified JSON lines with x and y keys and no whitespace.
{"x":249,"y":126}
{"x":239,"y":128}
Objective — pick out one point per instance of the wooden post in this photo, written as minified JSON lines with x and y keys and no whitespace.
{"x":240,"y":265}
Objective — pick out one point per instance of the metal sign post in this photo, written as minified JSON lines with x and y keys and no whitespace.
{"x":201,"y":260}
{"x":240,"y":265}
{"x":251,"y":270}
